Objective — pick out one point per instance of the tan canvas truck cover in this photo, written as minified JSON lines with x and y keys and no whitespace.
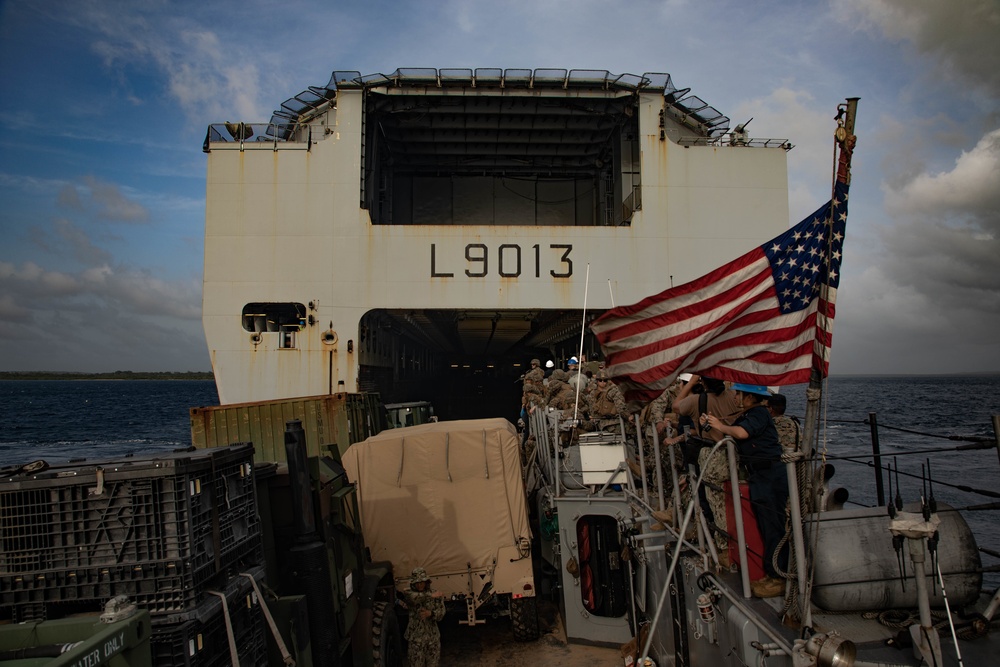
{"x":445,"y":496}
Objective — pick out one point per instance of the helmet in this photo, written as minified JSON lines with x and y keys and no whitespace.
{"x":684,"y":377}
{"x":757,"y":389}
{"x":549,"y":364}
{"x":419,"y":574}
{"x":536,"y":362}
{"x":602,"y":374}
{"x":573,"y":361}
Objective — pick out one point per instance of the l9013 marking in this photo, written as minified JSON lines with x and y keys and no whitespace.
{"x":479,"y":257}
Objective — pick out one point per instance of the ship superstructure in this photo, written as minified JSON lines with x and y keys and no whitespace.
{"x":425,"y":233}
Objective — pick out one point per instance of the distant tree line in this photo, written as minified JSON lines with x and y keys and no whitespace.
{"x":116,"y":375}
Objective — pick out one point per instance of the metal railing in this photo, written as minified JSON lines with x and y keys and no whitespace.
{"x":258,"y":136}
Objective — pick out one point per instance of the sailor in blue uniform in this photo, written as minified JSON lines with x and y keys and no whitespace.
{"x":760,"y":454}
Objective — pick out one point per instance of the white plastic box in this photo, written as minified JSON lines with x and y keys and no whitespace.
{"x":597,"y":462}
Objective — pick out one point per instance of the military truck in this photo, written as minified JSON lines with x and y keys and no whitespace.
{"x":449,"y":497}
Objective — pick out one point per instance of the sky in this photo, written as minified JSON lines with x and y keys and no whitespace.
{"x":105,"y":104}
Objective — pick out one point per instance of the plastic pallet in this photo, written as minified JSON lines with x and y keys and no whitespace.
{"x":156,"y":529}
{"x":198,"y":637}
{"x":162,"y":587}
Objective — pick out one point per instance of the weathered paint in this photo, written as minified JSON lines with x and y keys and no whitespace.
{"x":287,"y":226}
{"x":332,"y":423}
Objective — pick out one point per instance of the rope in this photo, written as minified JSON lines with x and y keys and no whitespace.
{"x":900,"y":619}
{"x":932,"y":450}
{"x":234,"y":655}
{"x":960,"y":487}
{"x":963,"y":438}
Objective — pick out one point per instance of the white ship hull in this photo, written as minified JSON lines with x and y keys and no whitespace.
{"x":474,"y":268}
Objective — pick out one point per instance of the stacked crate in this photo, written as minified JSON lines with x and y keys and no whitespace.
{"x":162,"y":530}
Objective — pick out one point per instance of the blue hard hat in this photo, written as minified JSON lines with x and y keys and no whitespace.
{"x":758,"y":389}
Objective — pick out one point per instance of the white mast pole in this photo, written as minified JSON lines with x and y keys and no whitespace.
{"x":583,"y":330}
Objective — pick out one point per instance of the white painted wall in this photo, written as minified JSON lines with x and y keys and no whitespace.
{"x":286,"y":225}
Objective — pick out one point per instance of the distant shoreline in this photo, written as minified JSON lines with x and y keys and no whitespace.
{"x":116,"y":375}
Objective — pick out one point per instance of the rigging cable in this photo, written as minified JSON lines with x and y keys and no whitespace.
{"x":960,"y":487}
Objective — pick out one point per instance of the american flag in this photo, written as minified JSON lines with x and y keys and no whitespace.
{"x":764,"y":318}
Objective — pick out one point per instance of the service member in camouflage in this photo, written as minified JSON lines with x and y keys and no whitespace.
{"x":532,"y":399}
{"x":605,"y":404}
{"x":789,"y":433}
{"x":426,"y":608}
{"x":559,"y":394}
{"x":663,"y":405}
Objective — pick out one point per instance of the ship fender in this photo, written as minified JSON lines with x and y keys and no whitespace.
{"x":856,"y":568}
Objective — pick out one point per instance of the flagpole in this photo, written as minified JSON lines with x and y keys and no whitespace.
{"x":845,"y":141}
{"x":579,"y":356}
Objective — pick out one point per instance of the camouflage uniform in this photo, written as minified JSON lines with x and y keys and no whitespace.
{"x":663,"y":404}
{"x":422,"y":634}
{"x":652,"y":415}
{"x":789,"y":434}
{"x":559,"y":394}
{"x":716,"y":471}
{"x":605,"y":405}
{"x":532,"y":398}
{"x":532,"y":395}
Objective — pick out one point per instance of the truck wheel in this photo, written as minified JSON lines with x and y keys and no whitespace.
{"x":524,"y":618}
{"x":386,"y":648}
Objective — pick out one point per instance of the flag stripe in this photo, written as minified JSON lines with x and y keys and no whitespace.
{"x":764,"y":318}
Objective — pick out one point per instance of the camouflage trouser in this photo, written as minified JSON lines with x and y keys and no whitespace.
{"x":649,"y":457}
{"x":716,"y":471}
{"x":528,"y":449}
{"x":424,"y":654}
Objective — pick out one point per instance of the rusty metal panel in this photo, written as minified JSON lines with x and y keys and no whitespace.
{"x":332,"y":423}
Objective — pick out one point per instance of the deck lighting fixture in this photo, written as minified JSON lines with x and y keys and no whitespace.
{"x":831,"y":650}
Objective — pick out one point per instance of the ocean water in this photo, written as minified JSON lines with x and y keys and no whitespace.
{"x":63,"y":420}
{"x":60,"y":420}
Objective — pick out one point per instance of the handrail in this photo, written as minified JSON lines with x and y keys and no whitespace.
{"x":257,"y":136}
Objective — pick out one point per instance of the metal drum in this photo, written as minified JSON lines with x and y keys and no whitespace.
{"x":857,"y":568}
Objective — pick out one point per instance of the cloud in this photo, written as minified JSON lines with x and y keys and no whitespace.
{"x":887,"y":326}
{"x":80,"y":245}
{"x":112,"y":204}
{"x":98,"y":319}
{"x":123,"y":290}
{"x":970,"y":191}
{"x":105,"y":201}
{"x":944,"y":239}
{"x":961,"y":39}
{"x":787,"y":113}
{"x":10,"y":311}
{"x":207,"y":76}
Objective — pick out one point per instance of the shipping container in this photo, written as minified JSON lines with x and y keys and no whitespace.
{"x":331,"y":422}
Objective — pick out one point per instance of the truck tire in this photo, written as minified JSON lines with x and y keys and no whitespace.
{"x":386,"y":648}
{"x":524,"y":618}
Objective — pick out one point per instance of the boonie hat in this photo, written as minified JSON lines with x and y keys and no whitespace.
{"x":419,"y":574}
{"x":758,"y":389}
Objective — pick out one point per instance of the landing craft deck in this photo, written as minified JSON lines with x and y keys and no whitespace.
{"x":432,"y":230}
{"x":424,"y":233}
